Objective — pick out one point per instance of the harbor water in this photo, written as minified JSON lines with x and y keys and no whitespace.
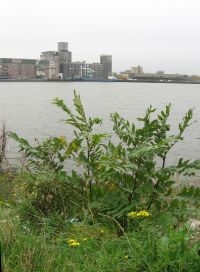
{"x":27,"y":109}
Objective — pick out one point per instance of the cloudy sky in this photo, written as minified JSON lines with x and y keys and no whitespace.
{"x":156,"y":34}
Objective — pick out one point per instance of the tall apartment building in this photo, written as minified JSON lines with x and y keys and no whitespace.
{"x":17,"y":69}
{"x":106,"y":60}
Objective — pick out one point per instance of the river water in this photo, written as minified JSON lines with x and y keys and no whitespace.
{"x":27,"y":108}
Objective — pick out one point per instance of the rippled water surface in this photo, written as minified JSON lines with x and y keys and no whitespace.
{"x":26,"y":108}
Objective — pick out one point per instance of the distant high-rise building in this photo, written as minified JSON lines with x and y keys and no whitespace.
{"x":106,"y":60}
{"x":63,"y":53}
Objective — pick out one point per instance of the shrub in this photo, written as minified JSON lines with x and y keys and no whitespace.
{"x":112,"y":179}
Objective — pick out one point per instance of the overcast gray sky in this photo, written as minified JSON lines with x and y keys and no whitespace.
{"x":156,"y":34}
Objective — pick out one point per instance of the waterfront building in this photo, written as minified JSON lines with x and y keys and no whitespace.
{"x":136,"y":73}
{"x":42,"y":69}
{"x":17,"y":69}
{"x":137,"y":70}
{"x":48,"y":55}
{"x":82,"y":70}
{"x":97,"y":70}
{"x":158,"y":76}
{"x":54,"y":60}
{"x":161,"y":73}
{"x":106,"y":60}
{"x":53,"y":63}
{"x":74,"y":70}
{"x":64,"y":54}
{"x":123,"y":76}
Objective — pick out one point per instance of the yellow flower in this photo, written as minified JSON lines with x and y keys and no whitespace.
{"x":126,"y":257}
{"x":138,"y":214}
{"x":132,"y":214}
{"x":143,"y":214}
{"x":73,"y":243}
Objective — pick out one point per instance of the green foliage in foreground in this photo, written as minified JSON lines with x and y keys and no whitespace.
{"x":120,"y":204}
{"x":108,"y":179}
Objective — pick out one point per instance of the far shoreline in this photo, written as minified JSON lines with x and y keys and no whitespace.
{"x":105,"y":81}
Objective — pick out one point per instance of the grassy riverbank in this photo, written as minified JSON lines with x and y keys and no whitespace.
{"x":117,"y":210}
{"x":96,"y":247}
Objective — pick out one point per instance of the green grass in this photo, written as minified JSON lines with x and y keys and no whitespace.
{"x":99,"y":249}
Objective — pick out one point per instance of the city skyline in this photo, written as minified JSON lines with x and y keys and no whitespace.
{"x":156,"y":35}
{"x":55,"y":65}
{"x":69,"y":59}
{"x":58,"y":64}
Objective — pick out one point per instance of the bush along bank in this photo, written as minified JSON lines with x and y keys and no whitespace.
{"x":119,"y":209}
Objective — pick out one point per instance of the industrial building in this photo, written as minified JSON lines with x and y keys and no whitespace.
{"x":17,"y":69}
{"x":73,"y":70}
{"x":49,"y":66}
{"x":58,"y":65}
{"x":65,"y":56}
{"x":55,"y":65}
{"x":106,"y":61}
{"x":52,"y":61}
{"x":61,"y":66}
{"x":42,"y":69}
{"x":97,"y":70}
{"x":136,"y":73}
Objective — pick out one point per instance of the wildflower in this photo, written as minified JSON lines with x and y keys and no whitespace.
{"x":132,"y":214}
{"x":73,"y":243}
{"x":138,"y":214}
{"x":143,"y":214}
